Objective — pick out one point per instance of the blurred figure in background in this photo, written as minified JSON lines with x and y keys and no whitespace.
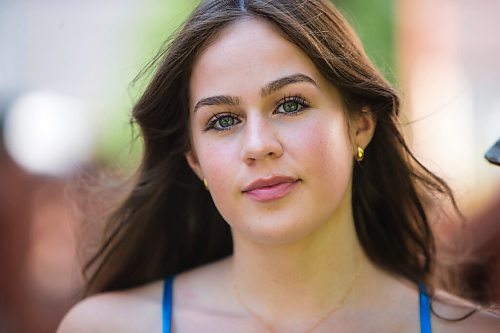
{"x":38,"y":266}
{"x":15,"y":194}
{"x":481,"y":250}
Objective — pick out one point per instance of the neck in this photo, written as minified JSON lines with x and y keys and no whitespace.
{"x":301,"y":279}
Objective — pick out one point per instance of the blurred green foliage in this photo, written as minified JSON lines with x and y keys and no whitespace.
{"x":148,"y":30}
{"x":374,"y":24}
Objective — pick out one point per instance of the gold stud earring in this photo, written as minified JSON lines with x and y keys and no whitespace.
{"x":205,"y":183}
{"x":360,"y":155}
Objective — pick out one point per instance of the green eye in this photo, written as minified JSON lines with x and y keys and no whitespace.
{"x":291,"y":106}
{"x":225,"y":121}
{"x":222,"y":122}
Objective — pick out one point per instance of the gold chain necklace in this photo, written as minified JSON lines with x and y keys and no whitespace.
{"x":327,"y":315}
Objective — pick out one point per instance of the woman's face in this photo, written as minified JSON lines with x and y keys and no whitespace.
{"x":269,"y":135}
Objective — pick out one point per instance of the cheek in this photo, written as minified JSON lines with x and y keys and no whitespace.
{"x":326,"y":153}
{"x":213,"y":159}
{"x":329,"y":145}
{"x":218,"y":165}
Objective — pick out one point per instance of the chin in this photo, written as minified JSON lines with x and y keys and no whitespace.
{"x":271,"y":232}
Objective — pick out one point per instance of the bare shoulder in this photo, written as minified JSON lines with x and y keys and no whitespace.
{"x":453,"y":314}
{"x":132,"y":310}
{"x":205,"y":288}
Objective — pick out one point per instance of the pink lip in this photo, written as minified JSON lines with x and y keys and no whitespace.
{"x":273,"y":188}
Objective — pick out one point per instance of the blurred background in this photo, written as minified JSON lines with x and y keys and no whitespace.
{"x":66,"y":69}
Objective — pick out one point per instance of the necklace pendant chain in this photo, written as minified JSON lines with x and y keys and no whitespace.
{"x":327,"y":315}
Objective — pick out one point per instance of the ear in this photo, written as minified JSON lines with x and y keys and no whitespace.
{"x":194,"y":164}
{"x":363,"y":127}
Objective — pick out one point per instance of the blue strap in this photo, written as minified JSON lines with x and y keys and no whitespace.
{"x":167,"y":304}
{"x":425,"y":310}
{"x":425,"y":313}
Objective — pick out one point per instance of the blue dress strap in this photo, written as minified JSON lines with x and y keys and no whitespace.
{"x":425,"y":313}
{"x":425,"y":309}
{"x":167,"y":304}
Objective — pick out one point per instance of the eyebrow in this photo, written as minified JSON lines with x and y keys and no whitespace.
{"x":284,"y":81}
{"x":265,"y":91}
{"x":217,"y":100}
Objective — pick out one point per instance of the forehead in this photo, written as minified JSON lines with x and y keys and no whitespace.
{"x":245,"y":56}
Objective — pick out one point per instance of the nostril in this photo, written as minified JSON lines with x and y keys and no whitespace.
{"x":271,"y":153}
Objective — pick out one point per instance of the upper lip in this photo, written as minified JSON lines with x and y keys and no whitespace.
{"x":268,"y":181}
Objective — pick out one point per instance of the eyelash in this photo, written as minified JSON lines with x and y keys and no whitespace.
{"x":303,"y":104}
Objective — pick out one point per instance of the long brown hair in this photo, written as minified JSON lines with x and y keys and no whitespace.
{"x":168,"y":223}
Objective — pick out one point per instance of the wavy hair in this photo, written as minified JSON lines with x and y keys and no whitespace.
{"x":168,"y":222}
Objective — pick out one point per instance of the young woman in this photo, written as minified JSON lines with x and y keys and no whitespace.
{"x":275,"y":194}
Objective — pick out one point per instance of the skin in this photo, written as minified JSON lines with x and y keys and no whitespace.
{"x":294,"y":256}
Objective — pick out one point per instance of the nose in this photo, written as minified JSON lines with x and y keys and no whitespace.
{"x":260,"y":140}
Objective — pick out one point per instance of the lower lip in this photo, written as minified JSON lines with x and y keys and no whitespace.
{"x":271,"y":193}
